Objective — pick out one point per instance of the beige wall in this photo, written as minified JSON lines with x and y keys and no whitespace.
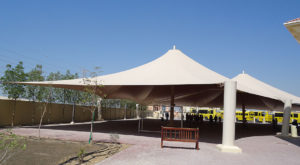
{"x":29,"y":113}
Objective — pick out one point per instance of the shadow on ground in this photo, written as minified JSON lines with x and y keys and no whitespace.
{"x":185,"y":148}
{"x":295,"y":141}
{"x":209,"y":132}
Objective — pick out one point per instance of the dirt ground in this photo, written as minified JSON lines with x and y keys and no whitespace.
{"x":53,"y":152}
{"x":259,"y":143}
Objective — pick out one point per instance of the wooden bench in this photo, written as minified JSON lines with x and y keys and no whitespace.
{"x":180,"y":135}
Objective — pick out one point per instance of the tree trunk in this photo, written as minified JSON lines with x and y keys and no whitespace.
{"x":100,"y":117}
{"x":13,"y":113}
{"x":63,"y":111}
{"x":92,"y":122}
{"x":33,"y":113}
{"x":41,"y":120}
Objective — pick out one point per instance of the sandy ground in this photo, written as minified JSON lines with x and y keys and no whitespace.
{"x":258,"y":142}
{"x":52,"y":152}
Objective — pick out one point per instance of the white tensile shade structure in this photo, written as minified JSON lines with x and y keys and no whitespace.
{"x":294,"y":27}
{"x":153,"y":83}
{"x":249,"y":84}
{"x":174,"y":78}
{"x":170,"y":78}
{"x":267,"y":97}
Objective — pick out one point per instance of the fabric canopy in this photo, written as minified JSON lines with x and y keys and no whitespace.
{"x":294,"y":27}
{"x":176,"y":74}
{"x":152,"y":83}
{"x":267,"y":95}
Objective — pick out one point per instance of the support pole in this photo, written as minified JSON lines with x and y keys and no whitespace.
{"x":142,"y":126}
{"x":228,"y":136}
{"x":139,"y":126}
{"x":172,"y":107}
{"x":99,"y":109}
{"x":125,"y":113}
{"x":286,"y":118}
{"x":137,"y":111}
{"x":244,"y":112}
{"x":73,"y":114}
{"x":182,"y":117}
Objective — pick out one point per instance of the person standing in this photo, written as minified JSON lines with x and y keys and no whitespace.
{"x":167,"y":116}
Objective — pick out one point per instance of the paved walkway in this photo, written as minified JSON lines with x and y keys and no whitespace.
{"x":145,"y":149}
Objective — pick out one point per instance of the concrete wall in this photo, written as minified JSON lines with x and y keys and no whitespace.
{"x":29,"y":113}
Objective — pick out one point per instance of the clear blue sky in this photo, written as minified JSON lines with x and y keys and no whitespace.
{"x":225,"y":36}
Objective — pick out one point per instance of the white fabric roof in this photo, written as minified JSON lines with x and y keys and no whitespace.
{"x":294,"y":27}
{"x":150,"y":83}
{"x":193,"y":84}
{"x":251,"y":85}
{"x":6,"y":98}
{"x":3,"y":98}
{"x":173,"y":68}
